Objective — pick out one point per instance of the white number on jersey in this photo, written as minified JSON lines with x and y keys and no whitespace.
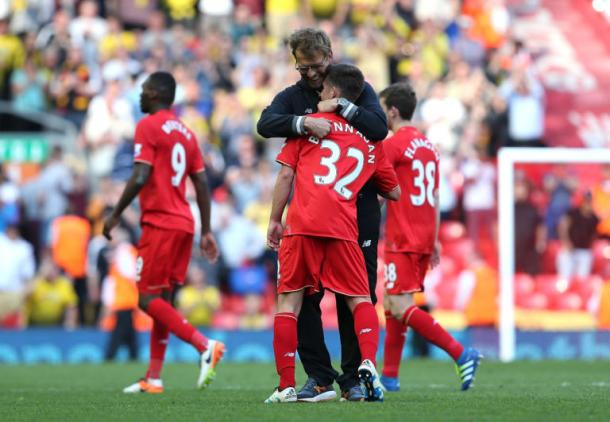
{"x":424,"y":182}
{"x":389,"y":272}
{"x":329,"y":162}
{"x":178,"y":163}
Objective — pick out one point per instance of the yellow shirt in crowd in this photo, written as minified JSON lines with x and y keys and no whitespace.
{"x":49,"y":300}
{"x":198,"y":305}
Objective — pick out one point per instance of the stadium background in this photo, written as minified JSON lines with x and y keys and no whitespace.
{"x":489,"y":74}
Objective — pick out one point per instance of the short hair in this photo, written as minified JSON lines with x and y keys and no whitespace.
{"x":347,"y":78}
{"x":165,"y":86}
{"x":401,"y":96}
{"x":309,"y":41}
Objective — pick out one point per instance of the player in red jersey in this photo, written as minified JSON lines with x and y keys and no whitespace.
{"x":320,"y":238}
{"x":166,"y":152}
{"x":411,"y":236}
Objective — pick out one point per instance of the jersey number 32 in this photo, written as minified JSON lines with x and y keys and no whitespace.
{"x":329,"y":162}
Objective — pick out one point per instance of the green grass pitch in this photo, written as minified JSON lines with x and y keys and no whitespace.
{"x":527,"y":391}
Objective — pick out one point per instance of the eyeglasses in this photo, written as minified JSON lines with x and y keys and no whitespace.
{"x":315,"y":67}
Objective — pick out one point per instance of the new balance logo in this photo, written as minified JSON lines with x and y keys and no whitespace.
{"x":289,"y":355}
{"x":365,"y":330}
{"x":366,"y":243}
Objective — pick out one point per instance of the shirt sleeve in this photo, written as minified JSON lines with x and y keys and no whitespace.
{"x":289,"y":154}
{"x":144,"y":148}
{"x":384,"y":176}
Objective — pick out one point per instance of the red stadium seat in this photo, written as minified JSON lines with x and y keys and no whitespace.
{"x":448,"y":266}
{"x":585,"y":288}
{"x":524,"y":288}
{"x":567,"y":302}
{"x":450,"y":231}
{"x":601,"y":257}
{"x":461,"y":251}
{"x":226,"y":321}
{"x":446,"y":293}
{"x":549,"y":257}
{"x":533,"y":301}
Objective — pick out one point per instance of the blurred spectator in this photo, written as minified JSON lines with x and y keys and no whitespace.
{"x":441,"y":116}
{"x":601,"y":202}
{"x":56,"y":35}
{"x":120,"y":296}
{"x":496,"y":123}
{"x":215,"y":14}
{"x":69,"y":239}
{"x":530,"y":236}
{"x":29,"y":87}
{"x":243,"y":24}
{"x":577,"y":231}
{"x":52,"y":187}
{"x":12,"y":54}
{"x":559,"y":187}
{"x":116,"y":39}
{"x":198,"y":301}
{"x":9,"y":195}
{"x":18,"y":266}
{"x":109,"y":122}
{"x":525,"y":98}
{"x":73,"y":86}
{"x":479,"y":196}
{"x":52,"y":300}
{"x":477,"y":292}
{"x":281,"y":17}
{"x":87,"y":26}
{"x":239,"y":240}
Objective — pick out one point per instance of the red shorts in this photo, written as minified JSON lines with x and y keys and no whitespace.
{"x":163,"y":258}
{"x":305,"y":262}
{"x":404,"y":272}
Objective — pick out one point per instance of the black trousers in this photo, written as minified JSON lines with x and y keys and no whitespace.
{"x":123,"y":334}
{"x":311,"y":347}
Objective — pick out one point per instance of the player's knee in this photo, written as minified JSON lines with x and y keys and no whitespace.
{"x":399,"y":306}
{"x":145,"y":300}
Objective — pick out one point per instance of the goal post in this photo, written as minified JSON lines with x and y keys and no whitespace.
{"x":507,"y":158}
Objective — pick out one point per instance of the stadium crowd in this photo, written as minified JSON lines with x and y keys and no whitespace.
{"x":85,"y":61}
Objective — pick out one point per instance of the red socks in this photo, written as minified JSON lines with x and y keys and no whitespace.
{"x":366,"y":325}
{"x":395,"y":334}
{"x":431,"y":330}
{"x":159,"y":337}
{"x":164,"y":313}
{"x":285,"y":347}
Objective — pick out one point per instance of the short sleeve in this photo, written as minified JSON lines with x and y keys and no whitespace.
{"x":197,"y":164}
{"x":144,"y":147}
{"x":392,"y":152}
{"x":289,"y":154}
{"x":384,"y":176}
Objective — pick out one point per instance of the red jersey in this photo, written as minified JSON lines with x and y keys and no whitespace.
{"x":163,"y":141}
{"x":411,"y":220}
{"x":329,"y":174}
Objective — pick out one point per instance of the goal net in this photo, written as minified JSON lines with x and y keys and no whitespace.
{"x":508,"y":160}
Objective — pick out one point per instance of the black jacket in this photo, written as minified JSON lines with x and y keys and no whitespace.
{"x":281,"y":117}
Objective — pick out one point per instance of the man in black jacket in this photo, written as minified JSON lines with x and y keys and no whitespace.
{"x":287,"y":117}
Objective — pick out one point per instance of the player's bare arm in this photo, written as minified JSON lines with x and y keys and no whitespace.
{"x":137,"y":180}
{"x":208,"y":242}
{"x":393,"y":195}
{"x":281,"y":192}
{"x":435,"y":259}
